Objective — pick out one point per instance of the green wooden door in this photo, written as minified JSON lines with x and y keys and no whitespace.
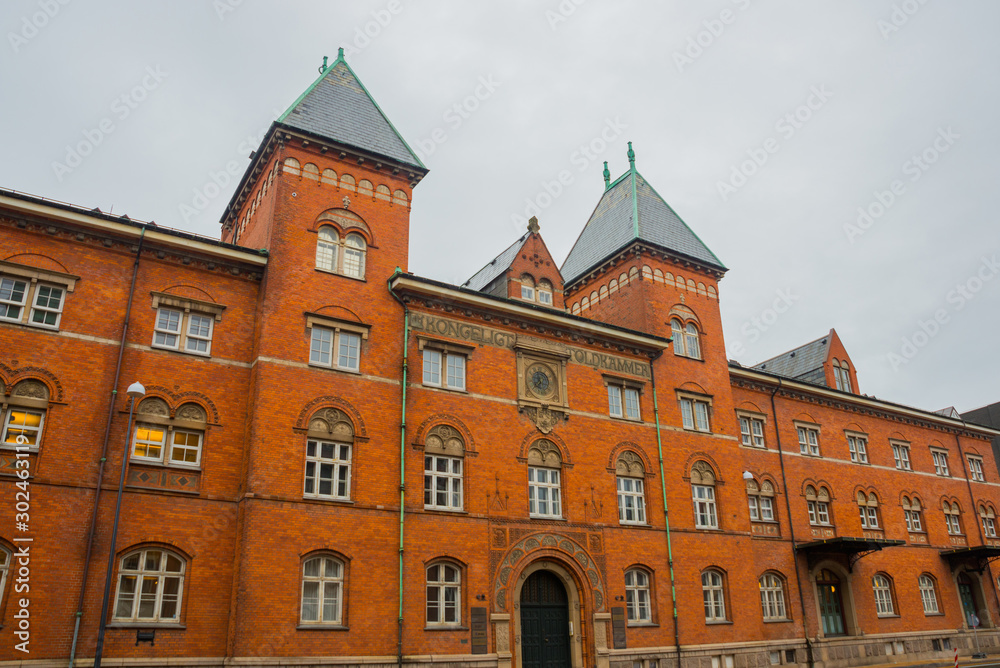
{"x":544,"y":622}
{"x":831,"y":609}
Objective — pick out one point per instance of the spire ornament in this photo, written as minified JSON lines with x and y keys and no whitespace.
{"x":631,"y":155}
{"x":607,"y":176}
{"x":533,"y":225}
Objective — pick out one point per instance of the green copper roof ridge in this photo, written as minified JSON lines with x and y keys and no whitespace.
{"x":686,"y":226}
{"x":322,"y":75}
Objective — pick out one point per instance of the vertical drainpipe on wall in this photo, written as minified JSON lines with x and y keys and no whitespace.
{"x":402,"y":466}
{"x":104,"y":452}
{"x":666,"y":512}
{"x":791,"y":529}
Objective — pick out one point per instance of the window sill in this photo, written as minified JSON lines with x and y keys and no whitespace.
{"x":550,"y":518}
{"x":638,"y":525}
{"x":355,"y":372}
{"x":715,"y":622}
{"x":178,"y":467}
{"x":322,"y":627}
{"x":337,"y":273}
{"x":643,"y":625}
{"x":207,"y":355}
{"x":457,"y":390}
{"x":14,"y":448}
{"x":697,"y":431}
{"x":777,"y":621}
{"x":445,"y":627}
{"x":324,"y":499}
{"x":622,"y":418}
{"x":446,"y":511}
{"x":146,"y":625}
{"x":888,"y":616}
{"x":933,"y":614}
{"x":33,"y":325}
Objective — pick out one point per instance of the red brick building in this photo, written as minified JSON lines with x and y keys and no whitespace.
{"x":337,"y":462}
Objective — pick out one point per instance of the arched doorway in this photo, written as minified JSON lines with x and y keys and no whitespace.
{"x":831,"y":603}
{"x":970,"y":594}
{"x":545,"y":639}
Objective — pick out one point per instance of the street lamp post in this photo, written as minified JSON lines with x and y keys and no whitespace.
{"x":135,"y":391}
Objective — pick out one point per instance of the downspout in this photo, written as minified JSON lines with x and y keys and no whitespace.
{"x":666,"y":512}
{"x":791,"y":528}
{"x":402,"y":466}
{"x":104,"y":452}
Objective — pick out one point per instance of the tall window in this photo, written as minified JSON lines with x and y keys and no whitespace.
{"x":868,"y":509}
{"x":637,"y":596}
{"x":694,"y":413}
{"x":760,"y":498}
{"x":631,"y":499}
{"x":752,"y":431}
{"x":329,"y":442}
{"x":22,"y":415}
{"x":911,"y":510}
{"x":174,"y":441}
{"x":150,"y":586}
{"x":988,"y":519}
{"x":33,"y":296}
{"x":714,"y":595}
{"x":544,"y":464}
{"x":444,"y":449}
{"x":4,"y":566}
{"x":842,"y":375}
{"x":772,"y":596}
{"x":340,"y":255}
{"x":623,"y":401}
{"x":703,"y":496}
{"x":858,"y":447}
{"x":685,"y":339}
{"x":808,"y":441}
{"x":976,"y":469}
{"x":443,"y":369}
{"x":882,"y":587}
{"x":952,"y":517}
{"x":940,"y":462}
{"x":322,"y":590}
{"x":818,"y":505}
{"x":901,"y":455}
{"x":444,"y":595}
{"x":928,"y":594}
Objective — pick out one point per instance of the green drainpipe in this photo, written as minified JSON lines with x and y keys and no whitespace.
{"x":666,"y":511}
{"x":402,"y":466}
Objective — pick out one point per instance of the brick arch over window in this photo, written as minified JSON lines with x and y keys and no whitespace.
{"x":13,"y":376}
{"x":351,"y":413}
{"x":694,"y":387}
{"x":705,"y":458}
{"x":749,"y":406}
{"x":534,"y":441}
{"x":438,"y":420}
{"x":176,"y":399}
{"x":620,"y":451}
{"x":817,"y":486}
{"x":345,"y":221}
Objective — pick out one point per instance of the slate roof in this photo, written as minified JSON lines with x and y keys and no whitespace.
{"x":804,"y":363}
{"x":611,"y":227}
{"x":338,"y":107}
{"x":497,"y":266}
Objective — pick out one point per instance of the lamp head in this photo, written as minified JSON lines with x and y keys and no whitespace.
{"x":136,"y":390}
{"x":747,"y":475}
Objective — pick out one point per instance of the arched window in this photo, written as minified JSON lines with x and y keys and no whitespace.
{"x":544,"y":469}
{"x":882,"y":588}
{"x":714,"y":594}
{"x":760,"y":498}
{"x":637,"y":596}
{"x":691,"y":341}
{"x":685,"y":338}
{"x":868,"y":508}
{"x":545,"y":292}
{"x":703,"y":496}
{"x":4,"y":566}
{"x":23,"y":415}
{"x":327,"y":249}
{"x":341,"y":255}
{"x":328,"y":456}
{"x":444,"y":594}
{"x":354,"y":255}
{"x":911,"y":511}
{"x":173,"y":441}
{"x":322,"y":590}
{"x":818,"y":505}
{"x":150,"y":586}
{"x":677,"y":334}
{"x":952,"y":517}
{"x":527,"y":288}
{"x":772,"y":596}
{"x":444,"y":451}
{"x":836,"y":374}
{"x":987,"y":516}
{"x":631,"y":499}
{"x":928,"y":594}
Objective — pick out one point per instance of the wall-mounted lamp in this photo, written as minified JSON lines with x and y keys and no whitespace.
{"x":747,"y":475}
{"x":480,"y":597}
{"x":619,"y":598}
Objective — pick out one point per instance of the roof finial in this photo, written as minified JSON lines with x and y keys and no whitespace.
{"x":631,"y":155}
{"x":323,"y":66}
{"x":533,"y":225}
{"x":607,"y":176}
{"x":340,"y":53}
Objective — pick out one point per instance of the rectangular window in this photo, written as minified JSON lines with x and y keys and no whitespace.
{"x":976,"y":469}
{"x":177,"y":329}
{"x":328,"y":470}
{"x":954,"y":527}
{"x":901,"y":455}
{"x":545,"y":297}
{"x":432,"y":367}
{"x":623,"y":401}
{"x":940,"y":462}
{"x":22,"y":428}
{"x":186,"y":448}
{"x":48,"y":306}
{"x":752,"y":431}
{"x":442,"y":483}
{"x":348,"y":347}
{"x":151,"y":445}
{"x":199,"y":334}
{"x":149,"y":442}
{"x":858,"y":446}
{"x":631,"y":501}
{"x":754,"y":502}
{"x":912,"y":520}
{"x":167,"y":332}
{"x":704,"y":507}
{"x":323,"y":343}
{"x":12,"y":298}
{"x":766,"y":509}
{"x":543,"y":492}
{"x":819,"y":513}
{"x":527,"y":293}
{"x":631,"y":403}
{"x":869,"y":517}
{"x":615,"y":401}
{"x":989,"y":528}
{"x":694,"y":414}
{"x":33,"y":296}
{"x":808,"y":441}
{"x":443,"y":368}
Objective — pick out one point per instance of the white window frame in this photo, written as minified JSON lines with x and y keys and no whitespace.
{"x":913,"y":522}
{"x":34,"y":280}
{"x":940,"y":458}
{"x":808,"y":435}
{"x":706,"y":514}
{"x":713,"y":589}
{"x":987,"y":518}
{"x":819,"y":513}
{"x":882,"y":591}
{"x":638,"y":602}
{"x":7,"y":414}
{"x":928,"y":594}
{"x":340,"y":250}
{"x":631,"y":500}
{"x":952,"y":519}
{"x":976,"y":468}
{"x":752,"y":430}
{"x":550,"y":480}
{"x":696,"y":412}
{"x":452,"y":479}
{"x":623,"y":398}
{"x":187,"y":310}
{"x":441,"y":602}
{"x":869,"y":517}
{"x":340,"y":469}
{"x":441,"y":364}
{"x":544,"y":295}
{"x":772,"y":597}
{"x":901,"y":455}
{"x":166,"y":444}
{"x":339,"y":332}
{"x":141,"y":574}
{"x":686,"y":338}
{"x":328,"y":586}
{"x":857,"y":445}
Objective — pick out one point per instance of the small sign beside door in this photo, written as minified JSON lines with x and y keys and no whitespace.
{"x":618,"y":628}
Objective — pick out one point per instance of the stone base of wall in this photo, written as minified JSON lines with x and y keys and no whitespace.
{"x":429,"y":661}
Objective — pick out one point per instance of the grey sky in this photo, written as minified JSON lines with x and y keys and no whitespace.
{"x":701,"y":88}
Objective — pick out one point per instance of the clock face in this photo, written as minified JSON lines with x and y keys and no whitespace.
{"x":540,"y":380}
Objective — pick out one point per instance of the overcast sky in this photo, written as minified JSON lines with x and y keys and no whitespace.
{"x":769,"y":127}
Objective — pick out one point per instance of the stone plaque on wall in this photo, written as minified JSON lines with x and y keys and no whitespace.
{"x":618,"y":628}
{"x":479,"y":631}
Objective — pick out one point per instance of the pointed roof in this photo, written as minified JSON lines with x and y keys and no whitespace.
{"x":497,"y":265}
{"x":338,"y":107}
{"x":804,"y":363}
{"x":630,"y":209}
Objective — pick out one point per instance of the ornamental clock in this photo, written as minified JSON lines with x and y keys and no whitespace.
{"x":540,"y":380}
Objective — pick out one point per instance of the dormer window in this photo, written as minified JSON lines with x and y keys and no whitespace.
{"x":527,"y":288}
{"x":544,"y":291}
{"x":842,"y":375}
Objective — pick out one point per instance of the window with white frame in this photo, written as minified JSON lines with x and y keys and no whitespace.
{"x":940,"y":458}
{"x":184,"y":324}
{"x":882,"y":588}
{"x":527,"y":288}
{"x":631,"y":501}
{"x":714,"y":595}
{"x":31,"y":296}
{"x":22,"y":415}
{"x":637,"y":597}
{"x":760,"y":499}
{"x":322,"y":590}
{"x":976,"y":469}
{"x":772,"y":596}
{"x":442,"y":482}
{"x":544,"y":479}
{"x":808,"y":440}
{"x":842,"y":375}
{"x":987,"y":517}
{"x":703,"y":496}
{"x":695,"y":412}
{"x":928,"y":594}
{"x":328,"y":455}
{"x":444,"y":595}
{"x":623,"y":398}
{"x":340,"y":253}
{"x":751,"y":430}
{"x":911,"y":512}
{"x":818,"y":505}
{"x":150,"y":587}
{"x":171,"y":441}
{"x":901,"y":456}
{"x":952,"y":517}
{"x":544,"y":292}
{"x":685,"y":339}
{"x":444,"y":363}
{"x":868,"y":509}
{"x":4,"y":567}
{"x":857,"y":445}
{"x":335,"y":344}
